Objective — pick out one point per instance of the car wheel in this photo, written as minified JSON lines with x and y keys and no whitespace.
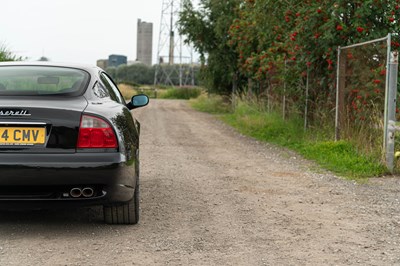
{"x":123,"y":214}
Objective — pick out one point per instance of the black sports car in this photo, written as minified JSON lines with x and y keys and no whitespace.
{"x":67,"y":138}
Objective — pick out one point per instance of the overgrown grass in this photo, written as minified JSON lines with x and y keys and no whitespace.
{"x":184,"y":93}
{"x":340,"y":157}
{"x":265,"y":126}
{"x":214,"y":104}
{"x":127,"y":90}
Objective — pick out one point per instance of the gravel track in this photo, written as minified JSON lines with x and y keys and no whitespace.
{"x":213,"y":197}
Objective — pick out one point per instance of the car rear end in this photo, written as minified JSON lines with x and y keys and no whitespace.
{"x":52,"y":153}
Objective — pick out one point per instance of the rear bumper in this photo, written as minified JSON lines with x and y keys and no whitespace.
{"x":44,"y":180}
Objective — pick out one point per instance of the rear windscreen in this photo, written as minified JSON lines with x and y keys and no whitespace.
{"x":42,"y":80}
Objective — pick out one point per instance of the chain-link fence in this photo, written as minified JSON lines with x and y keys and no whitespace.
{"x":365,"y":97}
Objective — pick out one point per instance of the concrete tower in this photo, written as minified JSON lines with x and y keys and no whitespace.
{"x":144,"y":51}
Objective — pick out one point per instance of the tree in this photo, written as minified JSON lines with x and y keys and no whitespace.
{"x":286,"y":39}
{"x":282,"y":40}
{"x":206,"y":28}
{"x":136,"y":73}
{"x":44,"y":59}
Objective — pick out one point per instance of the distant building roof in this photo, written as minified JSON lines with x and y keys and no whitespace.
{"x":116,"y":60}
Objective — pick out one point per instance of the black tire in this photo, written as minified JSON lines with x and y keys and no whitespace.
{"x":127,"y":213}
{"x":123,"y":214}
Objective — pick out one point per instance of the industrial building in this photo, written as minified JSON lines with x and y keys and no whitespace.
{"x":144,"y":51}
{"x":117,"y":60}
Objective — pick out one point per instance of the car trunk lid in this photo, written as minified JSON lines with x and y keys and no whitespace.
{"x":40,"y":124}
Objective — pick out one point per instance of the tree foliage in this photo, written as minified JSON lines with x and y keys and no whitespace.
{"x":280,"y":42}
{"x":306,"y":32}
{"x":136,"y":73}
{"x":206,"y":27}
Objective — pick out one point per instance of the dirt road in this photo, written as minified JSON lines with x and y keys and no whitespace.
{"x":213,"y":197}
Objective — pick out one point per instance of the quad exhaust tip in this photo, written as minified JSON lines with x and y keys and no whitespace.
{"x":76,"y":192}
{"x":86,"y":192}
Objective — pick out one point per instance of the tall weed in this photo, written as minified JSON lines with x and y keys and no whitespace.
{"x":214,"y":104}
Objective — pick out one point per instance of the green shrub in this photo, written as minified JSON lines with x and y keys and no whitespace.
{"x":183,"y":93}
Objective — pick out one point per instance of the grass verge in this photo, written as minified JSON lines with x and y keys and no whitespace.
{"x":340,"y":157}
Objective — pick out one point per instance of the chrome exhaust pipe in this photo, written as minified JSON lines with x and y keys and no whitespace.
{"x":87,"y":192}
{"x":76,"y":192}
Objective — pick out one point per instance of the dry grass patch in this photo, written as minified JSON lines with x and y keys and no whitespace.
{"x":127,"y":91}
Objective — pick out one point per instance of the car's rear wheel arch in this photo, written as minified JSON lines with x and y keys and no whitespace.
{"x":127,"y":213}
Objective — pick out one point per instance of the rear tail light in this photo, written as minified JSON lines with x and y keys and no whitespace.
{"x":94,"y":132}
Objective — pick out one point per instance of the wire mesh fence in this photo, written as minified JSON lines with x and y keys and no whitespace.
{"x":363,"y":96}
{"x":361,"y":103}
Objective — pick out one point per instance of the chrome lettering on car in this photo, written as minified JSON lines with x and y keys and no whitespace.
{"x":10,"y":112}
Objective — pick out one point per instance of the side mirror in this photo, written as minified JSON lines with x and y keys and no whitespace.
{"x":138,"y":101}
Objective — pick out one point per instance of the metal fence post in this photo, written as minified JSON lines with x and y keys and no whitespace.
{"x":391,"y":109}
{"x":306,"y":105}
{"x":385,"y":115}
{"x":284,"y":93}
{"x":340,"y":89}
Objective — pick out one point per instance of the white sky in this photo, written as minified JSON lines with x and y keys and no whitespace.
{"x":80,"y":31}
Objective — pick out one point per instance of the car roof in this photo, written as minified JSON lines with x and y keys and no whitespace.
{"x":89,"y":68}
